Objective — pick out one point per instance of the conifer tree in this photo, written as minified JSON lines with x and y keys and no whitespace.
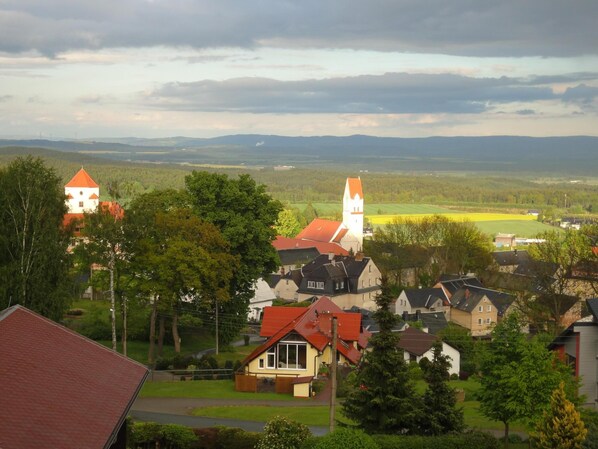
{"x":383,"y":398}
{"x":561,"y":426}
{"x":440,"y":412}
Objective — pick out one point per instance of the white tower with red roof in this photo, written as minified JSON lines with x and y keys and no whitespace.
{"x":82,"y":193}
{"x":353,"y":212}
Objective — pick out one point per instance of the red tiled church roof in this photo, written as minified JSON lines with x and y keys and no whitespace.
{"x":323,"y":247}
{"x":355,"y":187}
{"x":82,"y":179}
{"x":60,"y":389}
{"x":320,"y":230}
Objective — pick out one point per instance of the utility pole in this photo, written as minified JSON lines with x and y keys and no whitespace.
{"x":333,"y":367}
{"x":216,"y":301}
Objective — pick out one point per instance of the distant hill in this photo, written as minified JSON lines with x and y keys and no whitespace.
{"x":511,"y":154}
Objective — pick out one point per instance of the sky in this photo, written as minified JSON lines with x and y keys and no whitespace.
{"x":202,"y":68}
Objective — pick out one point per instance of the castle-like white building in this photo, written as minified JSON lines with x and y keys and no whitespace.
{"x":82,"y":193}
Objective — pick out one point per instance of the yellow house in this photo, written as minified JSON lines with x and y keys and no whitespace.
{"x":479,"y":309}
{"x":299,"y":342}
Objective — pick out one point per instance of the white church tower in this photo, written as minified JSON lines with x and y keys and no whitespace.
{"x":82,"y":193}
{"x":353,"y":213}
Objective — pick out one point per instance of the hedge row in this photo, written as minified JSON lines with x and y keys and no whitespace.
{"x":469,"y":440}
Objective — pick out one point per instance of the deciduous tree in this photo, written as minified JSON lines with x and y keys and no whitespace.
{"x":34,"y":263}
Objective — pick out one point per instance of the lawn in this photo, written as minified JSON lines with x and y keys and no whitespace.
{"x":518,"y":227}
{"x":205,"y":389}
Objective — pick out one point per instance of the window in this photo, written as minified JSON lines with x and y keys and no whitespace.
{"x":271,"y":358}
{"x":316,"y":285}
{"x":80,"y":203}
{"x":488,"y":320}
{"x":489,"y":308}
{"x":292,"y":355}
{"x":261,"y":363}
{"x":480,"y":308}
{"x":342,"y":284}
{"x":480,"y":321}
{"x":81,"y":192}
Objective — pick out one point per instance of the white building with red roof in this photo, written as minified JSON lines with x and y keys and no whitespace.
{"x":346,"y":234}
{"x":82,"y":193}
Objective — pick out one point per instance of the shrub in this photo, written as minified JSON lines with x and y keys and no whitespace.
{"x":232,"y":438}
{"x":95,"y":324}
{"x":590,"y":419}
{"x":346,"y":438}
{"x":182,"y":362}
{"x":163,"y":363}
{"x":283,"y":433}
{"x":468,"y":440}
{"x":454,"y":376}
{"x":168,"y":435}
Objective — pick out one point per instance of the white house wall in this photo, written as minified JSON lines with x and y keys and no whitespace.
{"x":588,"y":363}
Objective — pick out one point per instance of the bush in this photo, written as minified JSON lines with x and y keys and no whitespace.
{"x":96,"y":324}
{"x":182,"y":362}
{"x":282,"y":433}
{"x":168,"y":435}
{"x":468,"y":440}
{"x":590,"y":419}
{"x":346,"y":438}
{"x":163,"y":363}
{"x":232,"y":438}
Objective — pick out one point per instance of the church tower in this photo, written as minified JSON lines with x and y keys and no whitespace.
{"x":82,"y":193}
{"x":353,"y":211}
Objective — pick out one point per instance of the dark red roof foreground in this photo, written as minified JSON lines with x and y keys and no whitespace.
{"x":59,"y":389}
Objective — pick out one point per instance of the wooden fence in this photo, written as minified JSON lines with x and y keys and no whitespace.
{"x":246,"y":383}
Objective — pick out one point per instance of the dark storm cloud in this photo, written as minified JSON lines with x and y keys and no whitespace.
{"x":389,"y":93}
{"x":581,"y":94}
{"x":459,"y":27}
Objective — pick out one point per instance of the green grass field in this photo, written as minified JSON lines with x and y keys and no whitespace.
{"x":518,"y":227}
{"x":329,"y":209}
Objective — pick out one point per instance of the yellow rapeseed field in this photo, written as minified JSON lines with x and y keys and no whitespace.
{"x":481,"y":216}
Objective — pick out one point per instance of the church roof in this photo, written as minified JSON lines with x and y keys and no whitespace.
{"x":355,"y":187}
{"x":282,"y":243}
{"x":82,"y":179}
{"x":320,"y":230}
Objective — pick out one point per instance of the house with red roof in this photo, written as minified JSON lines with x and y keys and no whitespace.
{"x":60,"y":389}
{"x":299,"y":341}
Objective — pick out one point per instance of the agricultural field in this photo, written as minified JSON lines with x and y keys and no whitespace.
{"x":520,"y":228}
{"x":329,"y":209}
{"x":454,"y":216}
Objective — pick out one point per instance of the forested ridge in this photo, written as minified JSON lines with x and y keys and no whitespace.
{"x":301,"y":185}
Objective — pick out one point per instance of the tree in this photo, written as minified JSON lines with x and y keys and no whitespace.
{"x":561,"y":426}
{"x":245,"y":215}
{"x":103,"y":243}
{"x":34,"y":262}
{"x":517,"y":375}
{"x":287,"y":224}
{"x":383,"y":399}
{"x":553,"y":263}
{"x":440,"y":413}
{"x":282,"y":433}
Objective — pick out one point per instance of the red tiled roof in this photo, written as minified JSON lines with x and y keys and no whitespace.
{"x":355,"y":187}
{"x":320,"y":230}
{"x":275,"y":317}
{"x":93,"y":196}
{"x":69,"y":218}
{"x":69,"y":196}
{"x":314,"y":325}
{"x":82,"y":179}
{"x":115,"y":209}
{"x":60,"y":389}
{"x":323,"y":247}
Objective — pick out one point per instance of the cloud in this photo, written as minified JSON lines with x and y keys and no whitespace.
{"x":580,"y":94}
{"x":4,"y":98}
{"x":392,"y":93}
{"x":458,"y":27}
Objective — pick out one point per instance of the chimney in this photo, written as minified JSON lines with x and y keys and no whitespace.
{"x":359,"y":256}
{"x":331,"y":256}
{"x":467,"y":293}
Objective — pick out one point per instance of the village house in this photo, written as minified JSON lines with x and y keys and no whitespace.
{"x":422,"y":300}
{"x":348,"y":281}
{"x":417,"y":344}
{"x":508,"y":261}
{"x":299,"y":342}
{"x":578,"y":347}
{"x":60,"y":389}
{"x":478,"y":308}
{"x":451,"y":283}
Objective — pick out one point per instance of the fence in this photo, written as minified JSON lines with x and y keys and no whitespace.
{"x":246,"y":383}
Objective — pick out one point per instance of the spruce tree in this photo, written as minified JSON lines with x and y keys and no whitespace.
{"x":383,"y":398}
{"x":440,"y":412}
{"x":561,"y":426}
